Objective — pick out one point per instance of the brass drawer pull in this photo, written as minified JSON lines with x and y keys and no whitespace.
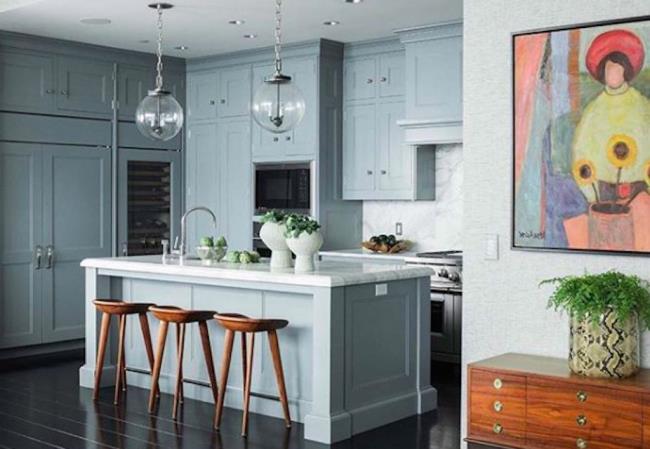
{"x":498,"y":383}
{"x":498,"y":429}
{"x":581,"y":444}
{"x":498,"y":406}
{"x":582,"y":396}
{"x":581,"y":420}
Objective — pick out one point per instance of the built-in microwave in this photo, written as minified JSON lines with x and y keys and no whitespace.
{"x":283,"y":186}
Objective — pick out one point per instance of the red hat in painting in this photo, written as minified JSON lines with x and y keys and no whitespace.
{"x":622,"y":41}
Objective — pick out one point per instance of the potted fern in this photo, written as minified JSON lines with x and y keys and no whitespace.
{"x":304,"y":240}
{"x":607,"y":311}
{"x":272,"y":234}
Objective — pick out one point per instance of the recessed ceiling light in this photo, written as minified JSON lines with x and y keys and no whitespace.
{"x":236,"y":22}
{"x":353,"y":1}
{"x":331,"y":23}
{"x":95,"y":21}
{"x":250,"y":36}
{"x":182,"y":47}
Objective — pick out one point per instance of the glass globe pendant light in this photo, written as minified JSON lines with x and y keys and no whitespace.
{"x":159,"y":116}
{"x":278,"y":105}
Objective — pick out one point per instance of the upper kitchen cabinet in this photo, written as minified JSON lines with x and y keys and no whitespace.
{"x":434,"y":95}
{"x":27,"y":81}
{"x":84,"y":86}
{"x":301,"y":143}
{"x":375,"y":76}
{"x":217,"y":94}
{"x":133,"y":84}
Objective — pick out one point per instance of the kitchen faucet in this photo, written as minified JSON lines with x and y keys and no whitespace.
{"x":182,"y":250}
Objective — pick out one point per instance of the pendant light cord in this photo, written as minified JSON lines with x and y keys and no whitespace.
{"x":159,"y":65}
{"x":278,"y":37}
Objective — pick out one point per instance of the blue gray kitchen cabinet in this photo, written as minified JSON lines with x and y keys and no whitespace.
{"x":27,"y":81}
{"x":222,"y":93}
{"x":133,"y":84}
{"x":55,"y":203}
{"x":359,"y":150}
{"x":301,"y":143}
{"x":391,"y":75}
{"x":76,"y":225}
{"x":395,"y":159}
{"x":202,"y":91}
{"x":84,"y":86}
{"x":374,"y":76}
{"x":21,"y":186}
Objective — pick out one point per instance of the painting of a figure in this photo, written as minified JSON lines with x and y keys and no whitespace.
{"x":582,"y":139}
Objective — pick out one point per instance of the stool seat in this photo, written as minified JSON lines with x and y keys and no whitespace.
{"x":241,"y":323}
{"x":117,"y":307}
{"x":172,"y":314}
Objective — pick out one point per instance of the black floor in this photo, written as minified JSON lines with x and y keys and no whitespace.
{"x":43,"y":407}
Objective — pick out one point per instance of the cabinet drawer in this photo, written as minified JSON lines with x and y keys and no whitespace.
{"x":497,"y":407}
{"x":559,"y":414}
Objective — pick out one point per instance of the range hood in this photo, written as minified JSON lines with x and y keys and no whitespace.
{"x":434,"y":97}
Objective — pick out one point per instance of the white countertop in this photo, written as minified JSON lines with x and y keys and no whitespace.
{"x":360,"y":253}
{"x":327,"y":273}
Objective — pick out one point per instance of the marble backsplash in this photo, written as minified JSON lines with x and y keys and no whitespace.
{"x":431,"y":225}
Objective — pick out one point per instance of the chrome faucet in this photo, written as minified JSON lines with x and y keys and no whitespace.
{"x":182,"y":250}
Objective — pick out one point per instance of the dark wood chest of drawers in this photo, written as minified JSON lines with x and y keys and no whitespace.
{"x":531,"y":402}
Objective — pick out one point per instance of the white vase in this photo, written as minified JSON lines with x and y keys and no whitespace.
{"x":305,"y":247}
{"x":272,"y":234}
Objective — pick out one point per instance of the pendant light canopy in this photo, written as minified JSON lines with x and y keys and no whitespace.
{"x":278,"y":105}
{"x":159,"y":116}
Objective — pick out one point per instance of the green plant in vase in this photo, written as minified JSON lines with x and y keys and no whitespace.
{"x":304,"y":240}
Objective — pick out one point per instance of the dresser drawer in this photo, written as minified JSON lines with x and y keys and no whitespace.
{"x":497,"y":407}
{"x":565,"y":415}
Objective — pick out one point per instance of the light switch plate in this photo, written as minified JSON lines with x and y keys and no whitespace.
{"x":399,"y":229}
{"x":381,"y":289}
{"x":491,"y":247}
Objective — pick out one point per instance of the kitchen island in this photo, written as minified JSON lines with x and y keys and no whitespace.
{"x":356,"y":352}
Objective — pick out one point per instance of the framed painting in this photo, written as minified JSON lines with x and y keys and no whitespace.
{"x":581,"y":138}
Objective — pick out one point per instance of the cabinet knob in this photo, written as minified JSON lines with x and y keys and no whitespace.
{"x":38,"y":253}
{"x":581,"y":396}
{"x":370,"y":81}
{"x":498,"y":383}
{"x":64,"y":93}
{"x":497,"y":428}
{"x":212,"y":102}
{"x":276,"y":139}
{"x":50,"y":91}
{"x":125,"y":249}
{"x":383,"y":172}
{"x":287,"y":138}
{"x":222,"y":101}
{"x":369,"y":172}
{"x":50,"y":257}
{"x":383,"y":79}
{"x":581,"y":420}
{"x":581,"y":444}
{"x":498,"y":406}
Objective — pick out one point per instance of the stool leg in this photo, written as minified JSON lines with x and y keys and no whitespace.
{"x":178,"y":342}
{"x":124,"y":366}
{"x":179,"y":371}
{"x":146,"y":335}
{"x":207,"y":354}
{"x":160,"y":350}
{"x":225,"y":367}
{"x":249,"y":378}
{"x":243,"y":362}
{"x":101,"y":351}
{"x":279,"y":375}
{"x":120,"y":360}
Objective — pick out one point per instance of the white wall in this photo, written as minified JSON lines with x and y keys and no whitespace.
{"x":431,"y":225}
{"x":504,"y":310}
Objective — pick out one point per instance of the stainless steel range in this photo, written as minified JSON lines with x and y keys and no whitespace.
{"x":446,"y":302}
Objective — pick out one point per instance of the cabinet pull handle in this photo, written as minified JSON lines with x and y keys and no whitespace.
{"x":50,"y":257}
{"x":581,"y":444}
{"x":498,"y":383}
{"x":65,"y":93}
{"x":383,"y":79}
{"x":582,"y":396}
{"x":369,"y":81}
{"x":497,"y":428}
{"x":50,"y":91}
{"x":125,"y":249}
{"x":369,"y":172}
{"x":498,"y":406}
{"x":38,"y":251}
{"x":581,"y":420}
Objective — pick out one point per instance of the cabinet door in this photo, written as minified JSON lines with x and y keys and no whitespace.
{"x":235,"y":174}
{"x":85,"y":86}
{"x":391,"y":74}
{"x":234,"y":92}
{"x":133,"y":84}
{"x":395,"y":158}
{"x":20,"y":232}
{"x":359,"y":142}
{"x":26,"y":82}
{"x":203,"y":180}
{"x":175,"y":83}
{"x":202,"y":102}
{"x":303,"y":140}
{"x":360,"y":79}
{"x":77,"y":225}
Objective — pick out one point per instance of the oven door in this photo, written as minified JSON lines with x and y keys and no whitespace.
{"x":283,"y":186}
{"x":442,"y":323}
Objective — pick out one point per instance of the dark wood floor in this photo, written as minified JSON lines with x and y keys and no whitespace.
{"x":43,"y":407}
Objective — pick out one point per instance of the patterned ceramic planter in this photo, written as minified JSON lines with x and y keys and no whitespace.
{"x":607,"y":348}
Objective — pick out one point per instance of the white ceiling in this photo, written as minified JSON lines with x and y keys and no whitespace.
{"x":203,"y":24}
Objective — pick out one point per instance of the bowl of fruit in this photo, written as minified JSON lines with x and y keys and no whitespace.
{"x":211,"y":250}
{"x":387,"y":244}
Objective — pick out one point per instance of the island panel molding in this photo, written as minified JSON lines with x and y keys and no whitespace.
{"x":355,"y":356}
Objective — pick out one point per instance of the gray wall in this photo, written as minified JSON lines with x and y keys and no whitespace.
{"x":504,"y":310}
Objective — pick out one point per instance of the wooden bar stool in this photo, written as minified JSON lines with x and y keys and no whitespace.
{"x":181,"y":317}
{"x":121,"y":309}
{"x":248,"y":327}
